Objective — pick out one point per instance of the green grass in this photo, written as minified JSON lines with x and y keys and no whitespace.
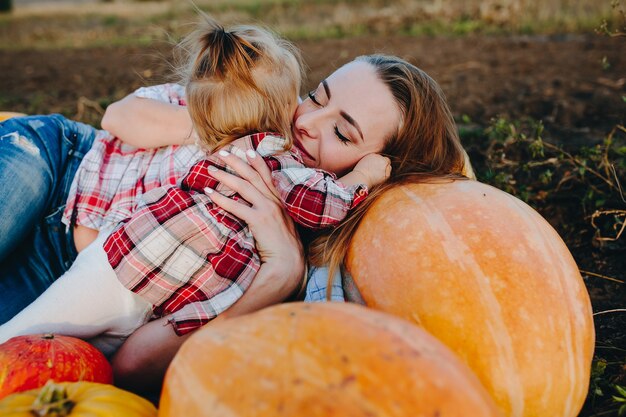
{"x":135,"y":23}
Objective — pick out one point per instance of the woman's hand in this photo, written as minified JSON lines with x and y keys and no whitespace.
{"x":277,"y":241}
{"x":141,"y":362}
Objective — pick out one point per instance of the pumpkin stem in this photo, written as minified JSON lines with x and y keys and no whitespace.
{"x":52,"y":401}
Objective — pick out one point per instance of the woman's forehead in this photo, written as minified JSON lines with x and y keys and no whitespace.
{"x":352,"y":69}
{"x":357,"y":82}
{"x":357,"y":89}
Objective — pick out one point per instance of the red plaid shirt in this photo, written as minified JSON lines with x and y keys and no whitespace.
{"x":113,"y":176}
{"x":189,"y":257}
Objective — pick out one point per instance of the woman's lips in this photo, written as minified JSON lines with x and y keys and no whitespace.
{"x":298,"y":144}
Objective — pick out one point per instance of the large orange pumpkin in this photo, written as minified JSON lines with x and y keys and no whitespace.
{"x":76,"y":399}
{"x":27,"y":362}
{"x":488,"y":276}
{"x":328,"y":359}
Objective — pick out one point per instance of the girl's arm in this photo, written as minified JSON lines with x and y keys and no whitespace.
{"x":371,"y":170}
{"x":141,"y":362}
{"x":148,"y":123}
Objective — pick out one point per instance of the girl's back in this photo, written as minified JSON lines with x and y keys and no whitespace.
{"x":113,"y":176}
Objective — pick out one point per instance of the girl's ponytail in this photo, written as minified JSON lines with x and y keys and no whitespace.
{"x":238,"y":81}
{"x":223,"y":55}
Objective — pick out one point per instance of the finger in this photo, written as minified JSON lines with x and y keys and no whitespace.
{"x":236,"y":208}
{"x":257,"y":219}
{"x":243,"y":187}
{"x":262,"y":169}
{"x":245,"y":170}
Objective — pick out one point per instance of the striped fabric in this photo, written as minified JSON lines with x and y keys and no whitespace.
{"x":317,"y":286}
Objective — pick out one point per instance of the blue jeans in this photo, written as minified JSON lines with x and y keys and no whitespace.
{"x":39,"y":156}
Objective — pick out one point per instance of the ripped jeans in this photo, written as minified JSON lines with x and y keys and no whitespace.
{"x":39,"y":156}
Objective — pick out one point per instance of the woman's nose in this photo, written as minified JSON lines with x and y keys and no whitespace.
{"x":310,"y":122}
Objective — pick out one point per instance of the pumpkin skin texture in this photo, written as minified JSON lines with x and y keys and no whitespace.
{"x":27,"y":362}
{"x":489,"y":277}
{"x":327,"y":359}
{"x":84,"y":399}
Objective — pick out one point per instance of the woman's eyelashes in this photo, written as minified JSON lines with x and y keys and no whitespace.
{"x":345,"y":140}
{"x":313,"y":99}
{"x":341,"y":137}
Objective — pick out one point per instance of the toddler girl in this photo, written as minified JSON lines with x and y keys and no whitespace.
{"x":178,"y":253}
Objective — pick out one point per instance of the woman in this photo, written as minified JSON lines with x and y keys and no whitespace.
{"x":356,"y":98}
{"x":350,"y":99}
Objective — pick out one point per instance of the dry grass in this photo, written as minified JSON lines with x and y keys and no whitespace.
{"x":64,"y":24}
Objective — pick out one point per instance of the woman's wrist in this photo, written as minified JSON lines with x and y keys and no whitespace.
{"x":287,"y":273}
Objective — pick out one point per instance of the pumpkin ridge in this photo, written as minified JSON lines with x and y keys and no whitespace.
{"x":573,"y":345}
{"x":498,"y":331}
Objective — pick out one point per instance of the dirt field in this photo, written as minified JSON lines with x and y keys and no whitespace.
{"x":560,"y":80}
{"x":574,"y":83}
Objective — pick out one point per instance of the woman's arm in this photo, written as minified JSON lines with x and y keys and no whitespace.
{"x":147,"y":123}
{"x":141,"y":362}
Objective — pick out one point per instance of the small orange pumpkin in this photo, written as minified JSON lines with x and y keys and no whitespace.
{"x":326,"y":359}
{"x":27,"y":362}
{"x":76,"y":399}
{"x":489,"y":277}
{"x":4,"y":115}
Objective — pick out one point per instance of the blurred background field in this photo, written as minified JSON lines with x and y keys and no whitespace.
{"x":141,"y":22}
{"x":538,"y":89}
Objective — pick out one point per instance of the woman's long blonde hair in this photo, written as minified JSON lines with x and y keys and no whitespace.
{"x":239,"y":81}
{"x":425,"y":147}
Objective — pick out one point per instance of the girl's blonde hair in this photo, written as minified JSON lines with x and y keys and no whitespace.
{"x":425,"y":147}
{"x":239,"y":81}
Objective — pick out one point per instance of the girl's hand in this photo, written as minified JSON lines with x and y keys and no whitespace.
{"x":374,"y":168}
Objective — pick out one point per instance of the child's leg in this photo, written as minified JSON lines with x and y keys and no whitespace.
{"x":85,"y":302}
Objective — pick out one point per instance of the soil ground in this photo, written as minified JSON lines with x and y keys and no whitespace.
{"x":559,"y":79}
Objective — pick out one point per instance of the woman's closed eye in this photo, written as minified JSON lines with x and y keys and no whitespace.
{"x":341,"y":137}
{"x":311,"y":95}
